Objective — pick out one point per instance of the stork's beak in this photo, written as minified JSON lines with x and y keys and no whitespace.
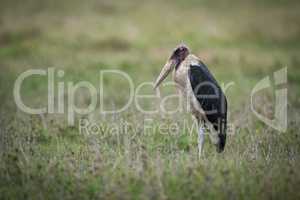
{"x":165,"y":72}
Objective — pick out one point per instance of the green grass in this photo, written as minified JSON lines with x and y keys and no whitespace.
{"x":41,"y":157}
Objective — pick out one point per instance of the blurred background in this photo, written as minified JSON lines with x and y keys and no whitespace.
{"x":240,"y":41}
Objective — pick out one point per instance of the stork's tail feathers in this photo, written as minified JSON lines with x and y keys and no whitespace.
{"x":221,"y":143}
{"x":222,"y":136}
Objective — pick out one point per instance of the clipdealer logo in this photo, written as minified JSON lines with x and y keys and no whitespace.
{"x":60,"y":92}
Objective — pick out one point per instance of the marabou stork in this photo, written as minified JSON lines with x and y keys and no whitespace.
{"x":204,"y":96}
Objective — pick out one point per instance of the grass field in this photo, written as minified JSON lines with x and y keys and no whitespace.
{"x":42,"y":157}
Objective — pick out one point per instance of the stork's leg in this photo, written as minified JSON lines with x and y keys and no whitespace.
{"x":200,"y":140}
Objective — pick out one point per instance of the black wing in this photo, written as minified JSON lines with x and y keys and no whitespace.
{"x":211,"y":98}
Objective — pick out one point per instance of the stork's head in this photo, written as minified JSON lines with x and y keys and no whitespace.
{"x":177,"y":56}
